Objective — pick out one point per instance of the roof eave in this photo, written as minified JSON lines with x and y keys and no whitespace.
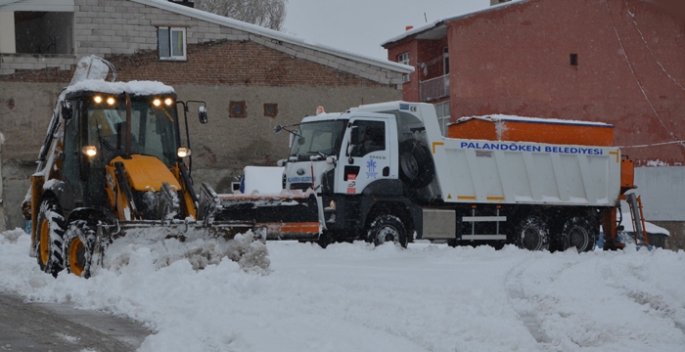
{"x":272,"y":34}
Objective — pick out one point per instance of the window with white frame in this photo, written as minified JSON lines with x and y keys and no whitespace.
{"x":404,"y":59}
{"x":171,"y":43}
{"x":443,"y":112}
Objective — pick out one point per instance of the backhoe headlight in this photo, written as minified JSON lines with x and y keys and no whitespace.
{"x":111,"y":101}
{"x":97,"y":99}
{"x":157,"y":102}
{"x":168,"y":101}
{"x":90,"y":151}
{"x":183,"y":152}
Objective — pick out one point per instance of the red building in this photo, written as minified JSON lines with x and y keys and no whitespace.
{"x":616,"y":61}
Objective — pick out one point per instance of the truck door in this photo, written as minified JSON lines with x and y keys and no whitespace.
{"x":369,"y":157}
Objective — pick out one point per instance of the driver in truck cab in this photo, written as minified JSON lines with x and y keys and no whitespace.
{"x":368,"y":144}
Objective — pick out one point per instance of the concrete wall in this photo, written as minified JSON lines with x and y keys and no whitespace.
{"x":3,"y":225}
{"x":676,"y":241}
{"x":662,"y":190}
{"x":7,"y":40}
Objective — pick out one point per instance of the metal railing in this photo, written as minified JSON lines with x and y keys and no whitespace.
{"x":435,"y":88}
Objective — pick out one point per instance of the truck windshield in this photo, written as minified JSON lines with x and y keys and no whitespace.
{"x":153,"y":129}
{"x":318,"y":138}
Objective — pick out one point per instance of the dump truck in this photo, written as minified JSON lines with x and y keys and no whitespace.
{"x":384,"y":172}
{"x":112,"y":167}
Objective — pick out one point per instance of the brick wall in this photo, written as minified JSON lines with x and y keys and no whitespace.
{"x":630,"y":69}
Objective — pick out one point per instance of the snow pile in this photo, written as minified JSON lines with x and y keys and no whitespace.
{"x":354,"y":297}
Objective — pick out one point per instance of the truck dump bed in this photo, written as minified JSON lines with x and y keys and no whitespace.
{"x":502,"y":172}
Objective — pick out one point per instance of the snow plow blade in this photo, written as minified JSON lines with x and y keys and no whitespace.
{"x":86,"y":250}
{"x":288,"y":215}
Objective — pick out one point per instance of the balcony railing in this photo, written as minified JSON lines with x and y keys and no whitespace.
{"x":435,"y":88}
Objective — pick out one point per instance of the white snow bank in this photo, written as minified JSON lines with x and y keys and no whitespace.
{"x":353,"y":297}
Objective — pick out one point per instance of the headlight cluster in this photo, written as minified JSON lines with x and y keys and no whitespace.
{"x":98,"y":99}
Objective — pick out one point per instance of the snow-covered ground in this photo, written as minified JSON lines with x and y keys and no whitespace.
{"x":353,"y":297}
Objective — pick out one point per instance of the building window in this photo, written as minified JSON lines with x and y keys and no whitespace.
{"x":237,"y":109}
{"x":445,"y":61}
{"x":171,"y":43}
{"x":574,"y":59}
{"x":404,"y":59}
{"x":271,"y":110}
{"x":443,"y":112}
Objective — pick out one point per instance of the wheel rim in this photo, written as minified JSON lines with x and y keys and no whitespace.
{"x":77,"y":256}
{"x":387,"y":234}
{"x":44,"y":241}
{"x":409,"y":165}
{"x":578,"y":237}
{"x":531,"y":239}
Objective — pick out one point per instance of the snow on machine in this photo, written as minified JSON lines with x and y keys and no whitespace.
{"x":112,"y":169}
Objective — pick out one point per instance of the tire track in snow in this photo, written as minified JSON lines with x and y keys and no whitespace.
{"x":640,"y":292}
{"x":532,"y":309}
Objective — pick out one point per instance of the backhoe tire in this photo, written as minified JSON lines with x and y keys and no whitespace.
{"x":49,"y":237}
{"x":532,"y":233}
{"x":417,"y":169}
{"x":387,"y":228}
{"x":578,"y":233}
{"x":79,"y":242}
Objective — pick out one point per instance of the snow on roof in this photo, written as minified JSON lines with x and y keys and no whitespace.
{"x":441,"y":22}
{"x":132,"y":87}
{"x":513,"y":118}
{"x":270,"y":33}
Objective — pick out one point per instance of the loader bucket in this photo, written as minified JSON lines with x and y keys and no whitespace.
{"x":288,"y":215}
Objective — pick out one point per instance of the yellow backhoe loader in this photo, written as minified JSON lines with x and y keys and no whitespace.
{"x":112,"y":166}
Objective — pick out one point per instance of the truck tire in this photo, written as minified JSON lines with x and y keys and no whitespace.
{"x":79,"y":242}
{"x":532,"y":233}
{"x":49,"y":237}
{"x":417,"y":168}
{"x":387,"y":228}
{"x":578,"y":232}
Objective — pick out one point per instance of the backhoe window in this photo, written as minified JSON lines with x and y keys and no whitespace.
{"x":316,"y":138}
{"x":153,"y":130}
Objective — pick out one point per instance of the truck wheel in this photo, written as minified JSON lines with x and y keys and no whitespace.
{"x":78,"y":249}
{"x":417,"y":169}
{"x":49,"y":237}
{"x":532,"y":233}
{"x":387,"y":228}
{"x":578,"y":232}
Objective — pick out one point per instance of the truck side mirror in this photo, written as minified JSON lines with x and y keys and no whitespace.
{"x":66,"y":111}
{"x":202,"y":114}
